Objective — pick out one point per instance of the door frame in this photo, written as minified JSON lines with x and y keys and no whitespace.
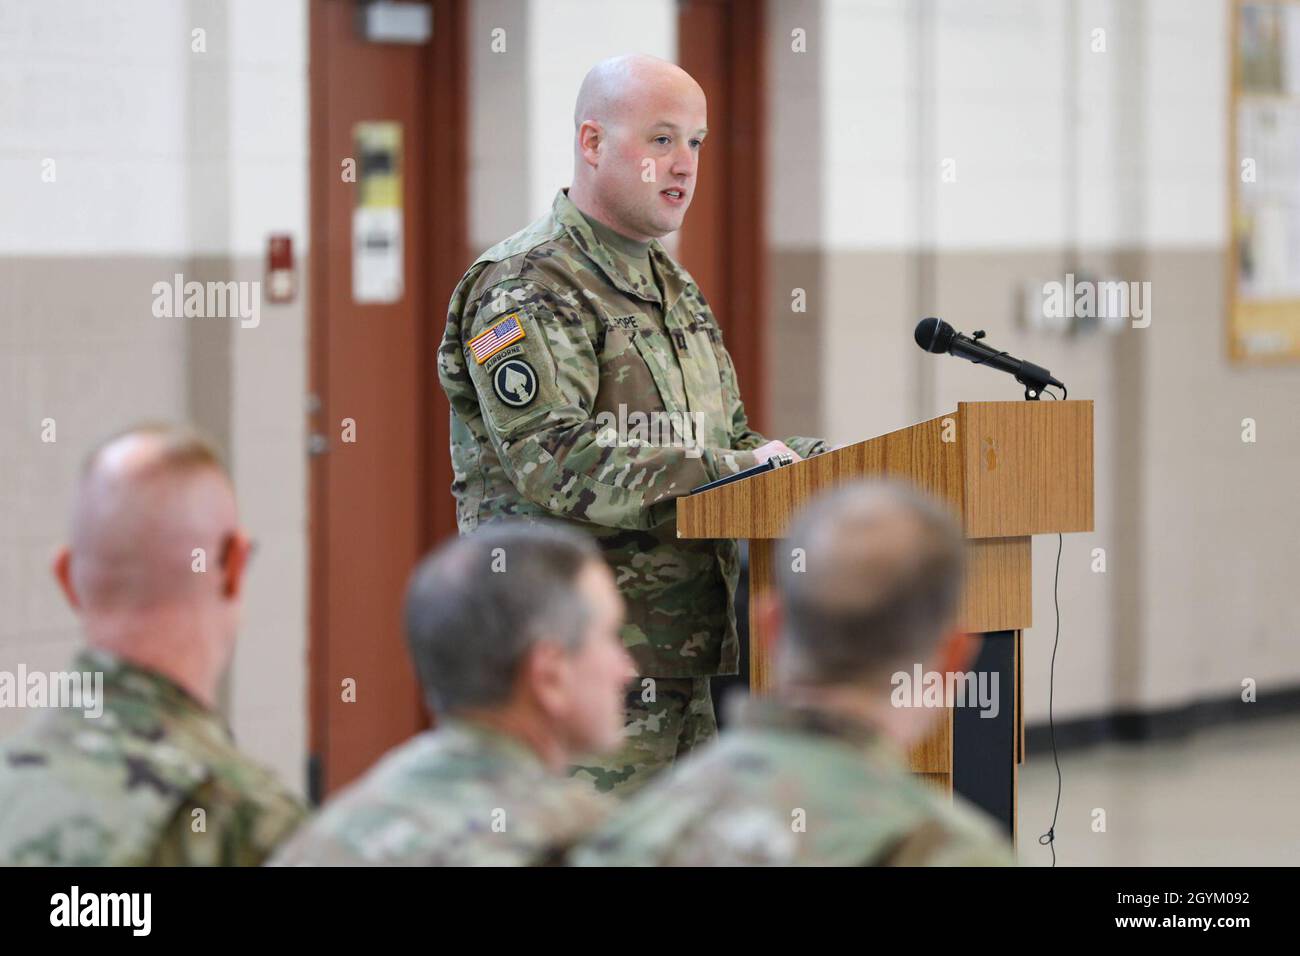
{"x":722,"y":43}
{"x":445,"y":237}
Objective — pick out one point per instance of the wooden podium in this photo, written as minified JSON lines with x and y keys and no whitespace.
{"x":1009,"y":470}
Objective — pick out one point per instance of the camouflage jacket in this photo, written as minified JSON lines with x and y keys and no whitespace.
{"x":793,"y":786}
{"x":461,"y":795}
{"x":126,"y":787}
{"x":585,"y":390}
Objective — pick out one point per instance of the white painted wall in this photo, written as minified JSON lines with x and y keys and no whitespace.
{"x":1057,"y":145}
{"x":162,"y":154}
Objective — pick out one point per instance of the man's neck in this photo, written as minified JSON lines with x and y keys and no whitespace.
{"x":176,"y":643}
{"x":596,"y":212}
{"x":525,"y":728}
{"x":857,"y":705}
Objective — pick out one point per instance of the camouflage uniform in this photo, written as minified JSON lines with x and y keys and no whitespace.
{"x":663,"y":722}
{"x":461,"y":795}
{"x":794,"y":786}
{"x":122,"y":788}
{"x":534,"y":424}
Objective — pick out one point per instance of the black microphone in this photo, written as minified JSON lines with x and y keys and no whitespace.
{"x":936,"y":335}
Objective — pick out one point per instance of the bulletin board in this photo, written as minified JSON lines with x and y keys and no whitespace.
{"x":1264,"y":177}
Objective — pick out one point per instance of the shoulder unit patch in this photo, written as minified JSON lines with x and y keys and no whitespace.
{"x":515,"y":382}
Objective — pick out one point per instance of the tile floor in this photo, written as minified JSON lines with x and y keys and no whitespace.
{"x":1229,"y":796}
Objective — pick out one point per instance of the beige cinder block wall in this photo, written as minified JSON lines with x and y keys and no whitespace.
{"x":170,"y":154}
{"x":1059,"y":158}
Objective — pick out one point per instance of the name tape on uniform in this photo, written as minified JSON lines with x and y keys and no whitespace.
{"x":491,"y":341}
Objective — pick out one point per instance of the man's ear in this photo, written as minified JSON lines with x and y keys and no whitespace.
{"x":770,"y":615}
{"x":62,"y":569}
{"x":590,"y":136}
{"x":541,"y":676}
{"x":235,"y":554}
{"x":956,"y":651}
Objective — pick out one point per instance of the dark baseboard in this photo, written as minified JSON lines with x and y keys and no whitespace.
{"x":1175,"y":723}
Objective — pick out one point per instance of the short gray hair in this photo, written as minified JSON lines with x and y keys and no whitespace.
{"x":478,"y":604}
{"x":881,"y":581}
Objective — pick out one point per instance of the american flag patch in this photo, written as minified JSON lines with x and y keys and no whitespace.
{"x":487,"y":344}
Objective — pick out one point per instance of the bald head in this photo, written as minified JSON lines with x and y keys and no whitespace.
{"x":880,"y":585}
{"x":615,"y":89}
{"x":146,"y":499}
{"x":639,"y":123}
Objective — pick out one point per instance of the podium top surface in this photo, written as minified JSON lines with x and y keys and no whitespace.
{"x":1006,"y":468}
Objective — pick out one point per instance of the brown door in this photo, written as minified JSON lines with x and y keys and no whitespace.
{"x":387,"y":235}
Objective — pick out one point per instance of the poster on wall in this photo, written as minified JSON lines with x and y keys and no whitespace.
{"x":1264,"y":286}
{"x":377,"y":254}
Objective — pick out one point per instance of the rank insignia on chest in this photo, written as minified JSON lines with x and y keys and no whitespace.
{"x":515,"y":382}
{"x":491,"y":341}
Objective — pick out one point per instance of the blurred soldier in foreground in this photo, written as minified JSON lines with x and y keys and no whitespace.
{"x":589,"y":383}
{"x":514,"y":632}
{"x":816,"y":774}
{"x":154,"y":569}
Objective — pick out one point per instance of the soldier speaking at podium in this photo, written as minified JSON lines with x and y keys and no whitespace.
{"x":564,"y":334}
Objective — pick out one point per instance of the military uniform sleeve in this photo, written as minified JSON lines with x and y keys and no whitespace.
{"x":537,"y":394}
{"x":742,"y":436}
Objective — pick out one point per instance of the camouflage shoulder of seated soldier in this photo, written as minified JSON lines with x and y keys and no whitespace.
{"x":455,"y":797}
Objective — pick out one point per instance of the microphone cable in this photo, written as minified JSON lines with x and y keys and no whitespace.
{"x":1048,"y":839}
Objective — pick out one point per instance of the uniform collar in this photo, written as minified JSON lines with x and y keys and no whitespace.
{"x":125,"y":681}
{"x":471,"y":736}
{"x":615,"y":266}
{"x":636,"y":250}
